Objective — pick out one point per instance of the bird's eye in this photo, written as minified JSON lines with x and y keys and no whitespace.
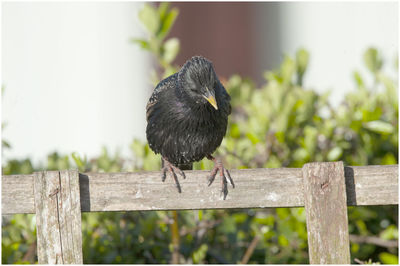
{"x":194,"y":88}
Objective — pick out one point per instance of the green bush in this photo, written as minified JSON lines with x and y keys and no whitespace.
{"x":279,"y":124}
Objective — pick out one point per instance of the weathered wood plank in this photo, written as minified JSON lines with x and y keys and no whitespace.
{"x":278,"y":187}
{"x":17,"y":194}
{"x":255,"y":188}
{"x":58,"y":217}
{"x":70,"y":217}
{"x":326,"y":213}
{"x":47,"y":226}
{"x":372,"y":185}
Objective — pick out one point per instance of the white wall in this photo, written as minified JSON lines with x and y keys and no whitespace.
{"x":335,"y":34}
{"x":73,"y":81}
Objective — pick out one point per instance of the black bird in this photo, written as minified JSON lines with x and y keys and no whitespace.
{"x":187,"y":117}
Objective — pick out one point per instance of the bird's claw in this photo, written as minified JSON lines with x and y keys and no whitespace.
{"x":212,"y":175}
{"x":210,"y":180}
{"x":169,"y":167}
{"x":163,"y":174}
{"x":224,"y":190}
{"x":230,"y":178}
{"x":224,"y":178}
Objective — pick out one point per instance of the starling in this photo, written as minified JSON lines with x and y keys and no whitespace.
{"x":187,"y":117}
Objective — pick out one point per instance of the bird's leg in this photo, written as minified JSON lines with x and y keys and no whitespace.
{"x":171,"y":168}
{"x":218,"y":166}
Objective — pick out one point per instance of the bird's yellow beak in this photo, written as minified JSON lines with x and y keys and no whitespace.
{"x":211,"y":99}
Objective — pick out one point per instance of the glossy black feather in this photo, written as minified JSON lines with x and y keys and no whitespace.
{"x":182,"y":126}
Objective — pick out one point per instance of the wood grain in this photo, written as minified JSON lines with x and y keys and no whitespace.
{"x":255,"y":188}
{"x":326,"y":213}
{"x":372,"y":185}
{"x":58,"y":217}
{"x":70,"y":217}
{"x":17,"y":194}
{"x":47,"y":226}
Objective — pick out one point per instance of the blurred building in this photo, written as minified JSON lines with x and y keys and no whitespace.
{"x":74,"y":82}
{"x":226,"y":33}
{"x":250,"y":37}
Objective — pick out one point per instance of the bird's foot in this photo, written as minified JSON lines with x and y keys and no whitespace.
{"x":172,"y":169}
{"x":218,"y":166}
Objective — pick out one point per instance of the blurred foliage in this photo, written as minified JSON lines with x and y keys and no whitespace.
{"x":284,"y":124}
{"x":4,"y":144}
{"x":158,"y":23}
{"x":278,"y":124}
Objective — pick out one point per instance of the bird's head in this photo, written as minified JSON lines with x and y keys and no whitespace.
{"x":199,"y":78}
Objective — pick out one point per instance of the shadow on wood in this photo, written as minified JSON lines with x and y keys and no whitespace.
{"x":84,"y":192}
{"x":350,"y":186}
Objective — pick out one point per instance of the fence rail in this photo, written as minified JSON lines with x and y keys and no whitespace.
{"x":325,"y":189}
{"x":255,"y":188}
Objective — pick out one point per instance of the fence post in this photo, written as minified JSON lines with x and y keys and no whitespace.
{"x":58,"y":217}
{"x":326,"y":212}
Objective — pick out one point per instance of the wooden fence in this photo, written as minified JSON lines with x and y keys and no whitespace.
{"x":324,"y":189}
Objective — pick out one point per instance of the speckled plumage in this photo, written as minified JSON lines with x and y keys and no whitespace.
{"x":187,"y":117}
{"x":182,"y":127}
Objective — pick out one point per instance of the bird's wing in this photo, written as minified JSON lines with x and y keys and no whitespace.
{"x":167,"y":83}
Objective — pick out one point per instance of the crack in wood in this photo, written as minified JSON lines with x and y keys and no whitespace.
{"x":54,"y":192}
{"x":324,"y":185}
{"x":58,"y":216}
{"x":58,"y":222}
{"x":365,"y":185}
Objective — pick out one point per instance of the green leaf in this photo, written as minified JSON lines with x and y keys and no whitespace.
{"x":235,"y":131}
{"x":354,"y":247}
{"x":391,"y":232}
{"x":79,"y":162}
{"x":150,"y":19}
{"x":388,"y":159}
{"x":362,"y":227}
{"x":302,"y":58}
{"x":335,"y":153}
{"x":287,"y":69}
{"x":167,"y":22}
{"x":162,"y":9}
{"x":388,"y":258}
{"x":143,"y":43}
{"x":372,"y":60}
{"x":5,"y":144}
{"x":282,"y":240}
{"x":379,"y":126}
{"x":280,"y":136}
{"x":252,"y":137}
{"x":300,"y":154}
{"x":199,"y":255}
{"x":358,"y":79}
{"x":171,"y":49}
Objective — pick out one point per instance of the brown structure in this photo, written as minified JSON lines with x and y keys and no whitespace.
{"x":223,"y":32}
